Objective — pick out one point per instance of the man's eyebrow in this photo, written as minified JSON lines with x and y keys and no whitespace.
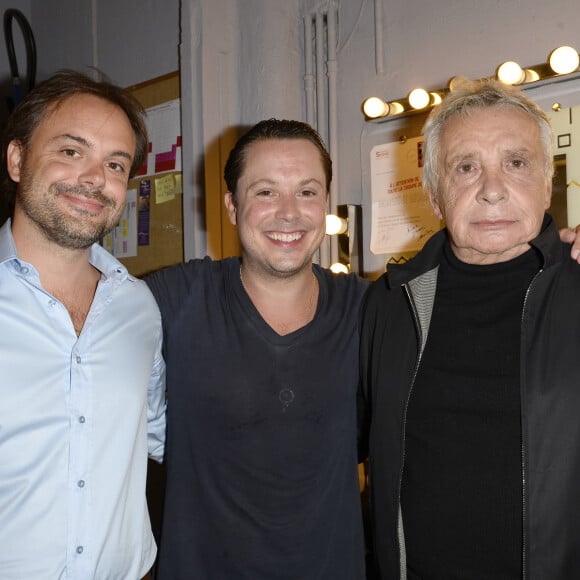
{"x":259,"y":182}
{"x":85,"y":143}
{"x":311,"y":180}
{"x":270,"y":182}
{"x":453,"y":160}
{"x":517,"y":151}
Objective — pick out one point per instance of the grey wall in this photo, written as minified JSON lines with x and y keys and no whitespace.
{"x":131,"y":41}
{"x":19,"y":48}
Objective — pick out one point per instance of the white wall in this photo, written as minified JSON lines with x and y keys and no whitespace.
{"x":270,"y":39}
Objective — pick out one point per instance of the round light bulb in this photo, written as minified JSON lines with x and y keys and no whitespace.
{"x":436,"y":98}
{"x":531,"y":75}
{"x":395,"y":108}
{"x":454,"y":82}
{"x":339,"y":268}
{"x":419,"y":98}
{"x":564,"y":60}
{"x":374,"y":107}
{"x":511,"y":73}
{"x":335,"y":225}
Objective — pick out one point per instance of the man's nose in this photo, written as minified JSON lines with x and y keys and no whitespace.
{"x":492,"y":187}
{"x":287,"y":206}
{"x":92,"y":174}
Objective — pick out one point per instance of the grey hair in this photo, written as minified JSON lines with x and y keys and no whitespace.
{"x":472,"y":96}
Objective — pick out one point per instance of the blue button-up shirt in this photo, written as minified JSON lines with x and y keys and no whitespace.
{"x":78,"y":416}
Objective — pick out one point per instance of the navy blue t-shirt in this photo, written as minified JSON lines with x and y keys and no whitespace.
{"x":261,"y":448}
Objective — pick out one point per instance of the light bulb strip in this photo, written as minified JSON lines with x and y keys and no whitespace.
{"x":376,"y":109}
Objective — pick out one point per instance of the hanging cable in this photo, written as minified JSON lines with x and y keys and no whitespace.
{"x":17,"y":90}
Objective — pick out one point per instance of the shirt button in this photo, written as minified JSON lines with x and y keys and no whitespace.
{"x":78,"y":359}
{"x":81,"y":483}
{"x":79,"y":549}
{"x":82,"y":419}
{"x":52,"y":302}
{"x":24,"y":269}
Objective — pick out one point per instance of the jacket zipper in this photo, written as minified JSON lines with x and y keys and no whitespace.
{"x":402,"y":556}
{"x":523,"y":445}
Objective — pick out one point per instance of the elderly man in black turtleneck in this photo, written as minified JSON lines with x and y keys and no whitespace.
{"x":470,"y":361}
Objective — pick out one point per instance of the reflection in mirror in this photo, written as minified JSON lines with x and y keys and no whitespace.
{"x":559,"y":205}
{"x":566,"y":187}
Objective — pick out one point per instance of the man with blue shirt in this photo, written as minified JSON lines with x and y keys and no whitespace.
{"x":82,"y":388}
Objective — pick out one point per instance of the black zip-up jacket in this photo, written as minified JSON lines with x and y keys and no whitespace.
{"x":395,"y":323}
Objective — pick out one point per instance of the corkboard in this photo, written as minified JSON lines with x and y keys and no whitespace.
{"x":165,"y":246}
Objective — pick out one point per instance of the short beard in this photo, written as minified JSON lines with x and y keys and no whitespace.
{"x":58,"y":227}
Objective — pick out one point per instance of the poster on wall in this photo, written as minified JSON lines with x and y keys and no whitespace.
{"x":164,"y":147}
{"x":122,"y":240}
{"x":402,"y":218}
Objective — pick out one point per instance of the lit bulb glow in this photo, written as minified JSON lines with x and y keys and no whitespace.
{"x":436,"y":98}
{"x":335,"y":225}
{"x":339,"y":268}
{"x":419,"y":98}
{"x":395,"y":108}
{"x":511,"y":73}
{"x":531,"y":75}
{"x":454,"y":83}
{"x":374,"y":107}
{"x":564,"y":60}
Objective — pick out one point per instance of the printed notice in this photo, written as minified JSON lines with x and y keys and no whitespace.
{"x":402,"y":218}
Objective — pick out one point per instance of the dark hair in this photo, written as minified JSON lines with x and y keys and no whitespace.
{"x":47,"y":96}
{"x":273,"y":129}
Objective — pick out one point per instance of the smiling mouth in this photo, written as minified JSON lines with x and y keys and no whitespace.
{"x":83,"y":195}
{"x":282,"y":237}
{"x":88,"y":205}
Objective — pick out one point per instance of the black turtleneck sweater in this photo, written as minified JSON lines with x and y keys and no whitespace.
{"x":461,"y":492}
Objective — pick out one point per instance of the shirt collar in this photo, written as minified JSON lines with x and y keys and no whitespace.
{"x":109,"y":266}
{"x":7,"y":247}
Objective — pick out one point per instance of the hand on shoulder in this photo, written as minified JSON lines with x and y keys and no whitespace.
{"x":571,"y":236}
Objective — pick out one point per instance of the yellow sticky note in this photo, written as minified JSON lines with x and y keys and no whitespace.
{"x":178,"y":184}
{"x":164,"y":188}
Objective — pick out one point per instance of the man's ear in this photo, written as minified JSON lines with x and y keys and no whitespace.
{"x":231,"y":207}
{"x":14,"y":157}
{"x":548,"y":199}
{"x":435,"y":205}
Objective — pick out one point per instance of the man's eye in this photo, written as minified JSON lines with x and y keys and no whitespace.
{"x":517,"y":163}
{"x":264,"y":193}
{"x":308,"y":193}
{"x":70,"y":153}
{"x":118,"y":167}
{"x":465,"y":168}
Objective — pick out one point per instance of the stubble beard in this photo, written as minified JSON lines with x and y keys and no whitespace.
{"x":66,"y":231}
